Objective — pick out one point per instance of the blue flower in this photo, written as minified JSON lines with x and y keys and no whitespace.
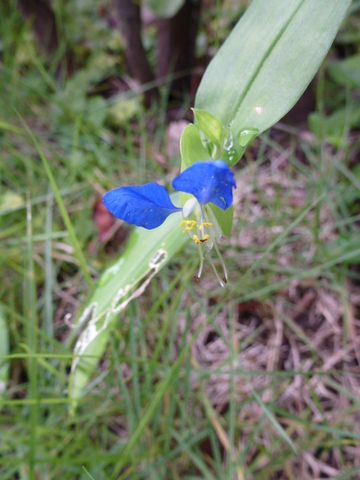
{"x":149,"y":205}
{"x":146,"y":205}
{"x":209,"y":182}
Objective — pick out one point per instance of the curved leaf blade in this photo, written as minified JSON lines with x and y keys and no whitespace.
{"x":268,"y":60}
{"x":146,"y":253}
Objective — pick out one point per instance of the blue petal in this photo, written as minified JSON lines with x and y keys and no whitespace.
{"x":146,"y":206}
{"x":208,"y":182}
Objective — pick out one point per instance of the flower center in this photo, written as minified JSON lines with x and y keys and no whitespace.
{"x":200,"y":237}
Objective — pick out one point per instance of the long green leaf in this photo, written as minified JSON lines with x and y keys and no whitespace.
{"x":268,"y":60}
{"x":146,"y":253}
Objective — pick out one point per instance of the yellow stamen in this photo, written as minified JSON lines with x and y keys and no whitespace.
{"x":188,"y":225}
{"x":199,"y":241}
{"x":205,"y":225}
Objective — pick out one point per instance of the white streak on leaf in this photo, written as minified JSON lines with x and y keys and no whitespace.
{"x":96,"y":324}
{"x":87,"y":315}
{"x":159,"y":258}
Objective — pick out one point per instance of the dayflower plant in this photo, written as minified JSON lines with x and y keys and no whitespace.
{"x":149,"y":205}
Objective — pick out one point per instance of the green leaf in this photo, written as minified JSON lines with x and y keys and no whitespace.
{"x":247,"y":135}
{"x":335,"y":127}
{"x":347,"y":72}
{"x":268,"y":60}
{"x":4,"y":350}
{"x":211,"y":127}
{"x":224,"y":218}
{"x":191,"y":147}
{"x":123,"y":111}
{"x":7,"y":126}
{"x":165,"y":8}
{"x":146,"y":253}
{"x":10,"y":200}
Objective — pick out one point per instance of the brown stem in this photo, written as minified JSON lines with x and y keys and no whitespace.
{"x":41,"y":15}
{"x":176,"y":47}
{"x":129,"y":23}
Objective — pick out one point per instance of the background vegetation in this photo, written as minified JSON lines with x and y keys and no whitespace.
{"x":258,"y":380}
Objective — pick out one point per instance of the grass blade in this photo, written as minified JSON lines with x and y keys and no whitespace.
{"x":4,"y":350}
{"x":60,"y":203}
{"x":270,"y":416}
{"x":150,"y":410}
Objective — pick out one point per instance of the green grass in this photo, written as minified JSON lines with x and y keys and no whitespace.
{"x":158,"y":406}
